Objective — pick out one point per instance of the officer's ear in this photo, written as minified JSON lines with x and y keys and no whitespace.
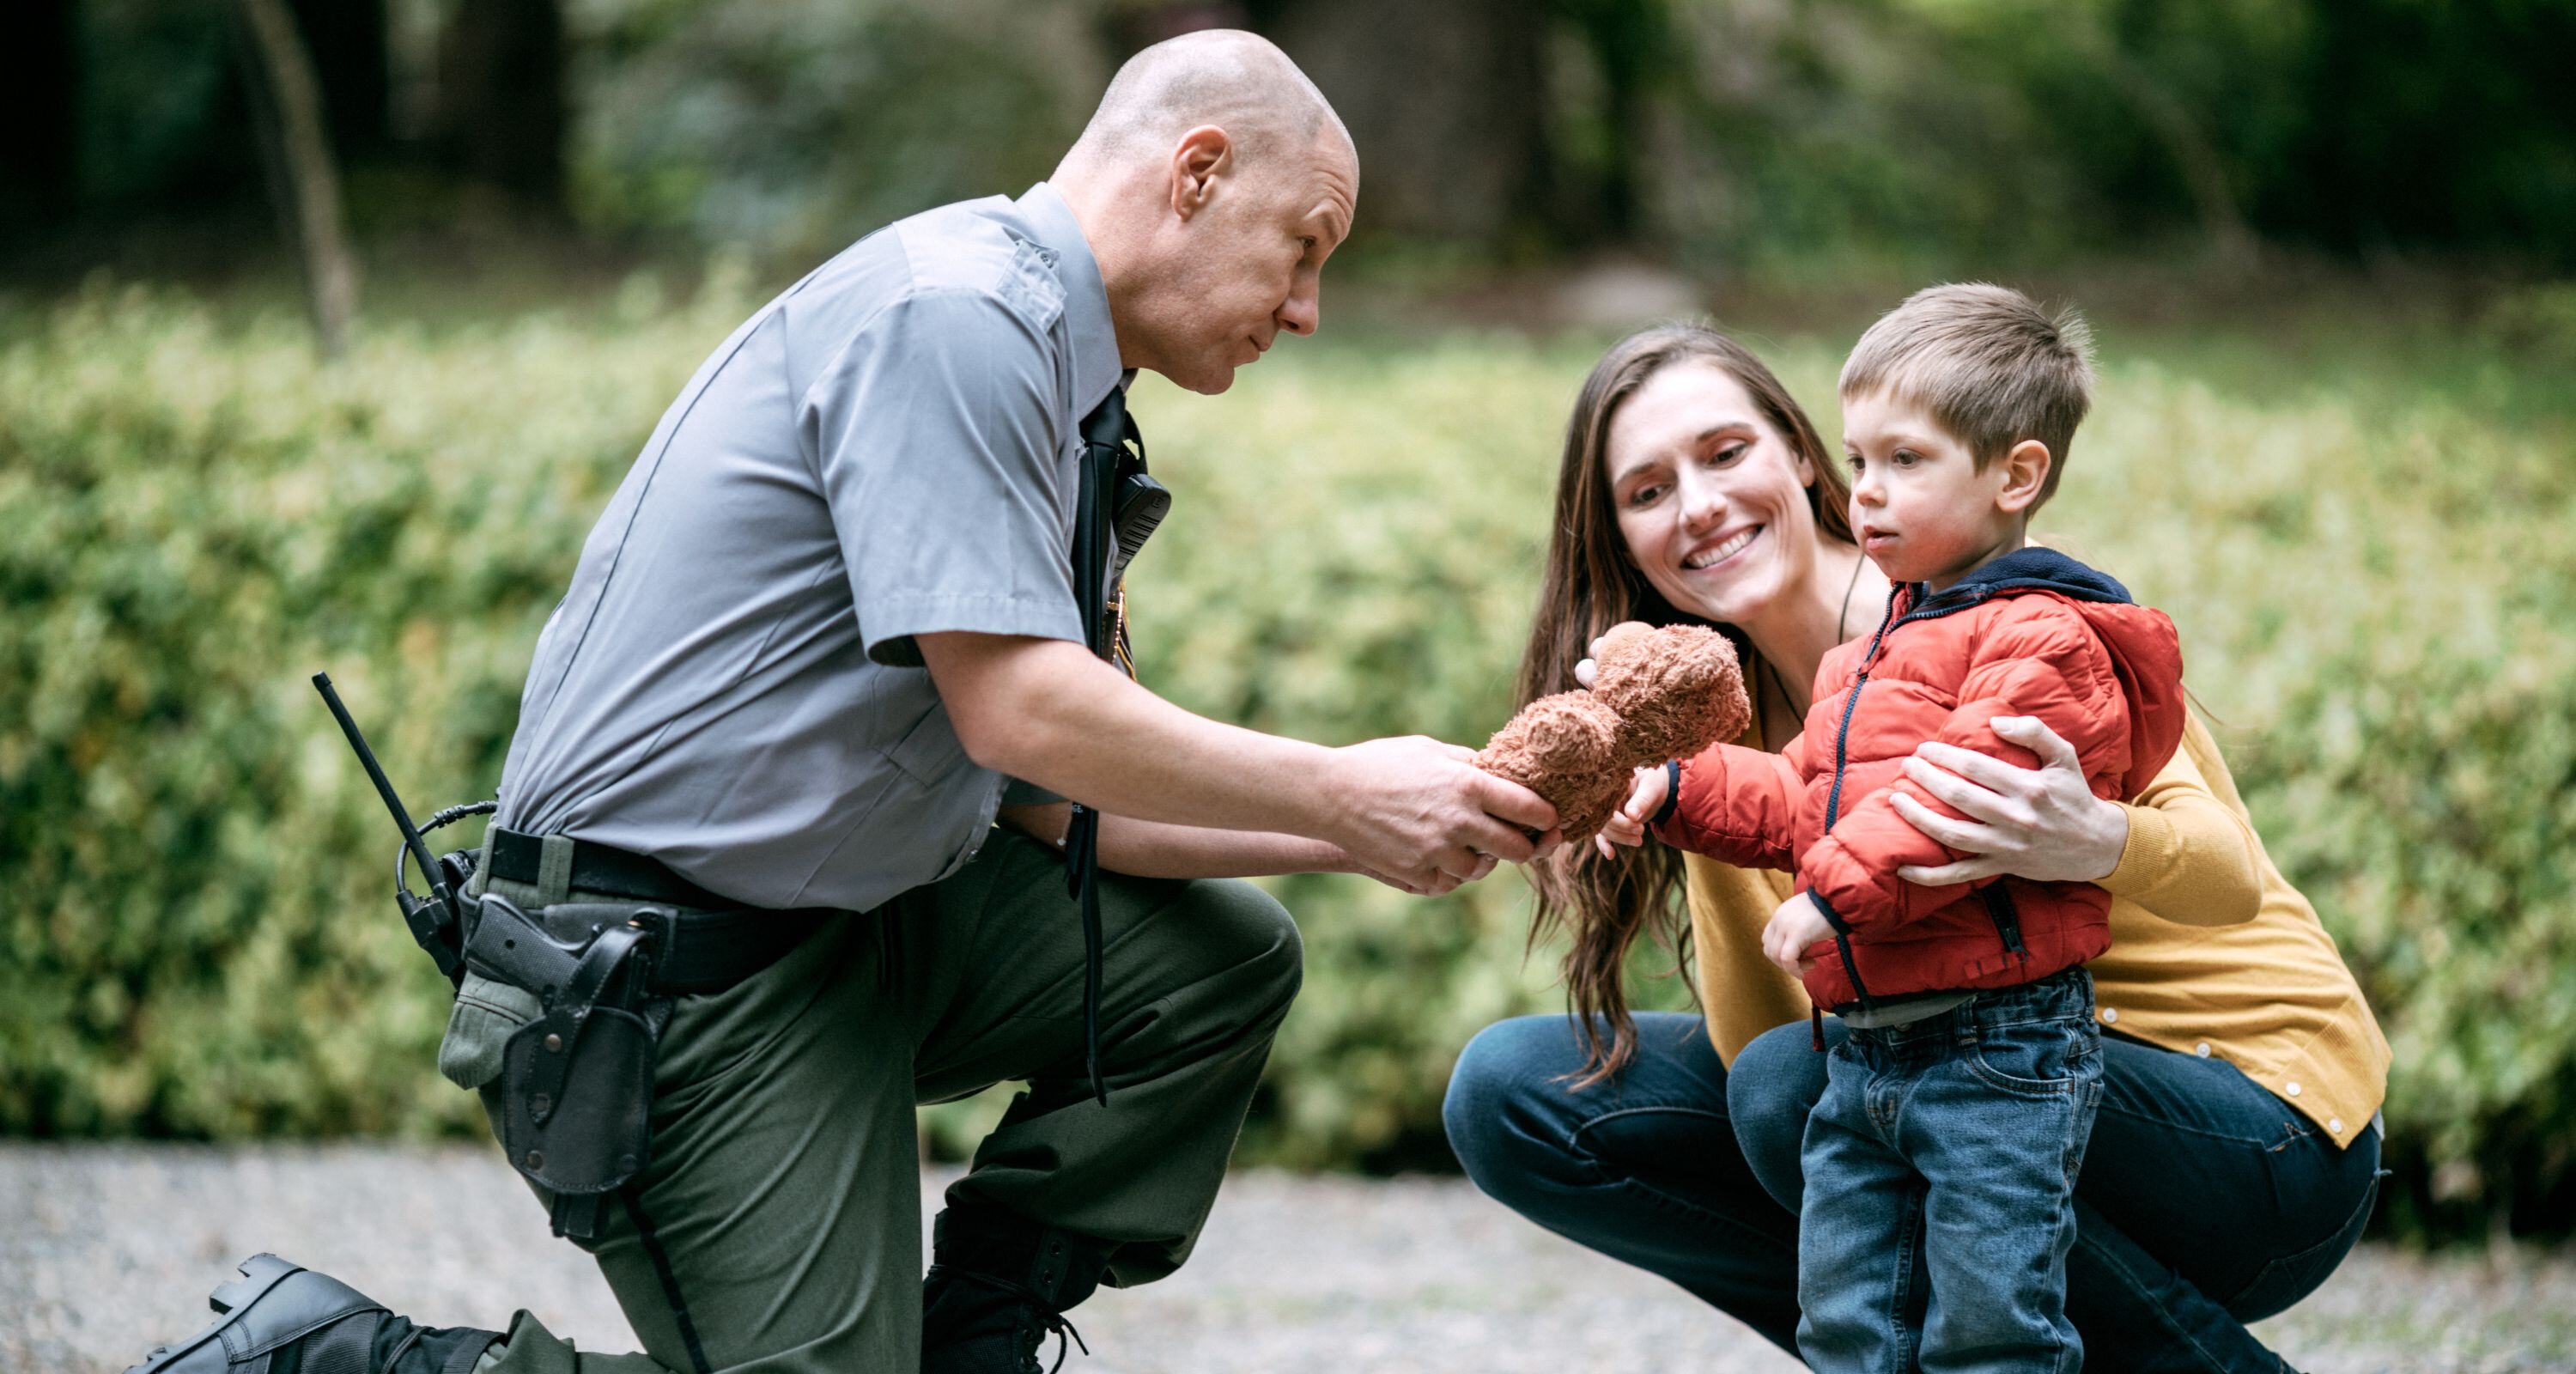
{"x":1203,"y":155}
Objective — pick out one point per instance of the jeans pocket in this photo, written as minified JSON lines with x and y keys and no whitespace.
{"x":2036,"y":1058}
{"x":2285,"y":1280}
{"x":486,"y":1014}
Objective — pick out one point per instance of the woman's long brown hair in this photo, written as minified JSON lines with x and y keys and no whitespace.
{"x":1591,"y":585}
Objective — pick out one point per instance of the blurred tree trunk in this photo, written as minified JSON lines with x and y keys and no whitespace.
{"x":348,"y":42}
{"x":501,"y":115}
{"x":1446,"y":100}
{"x":1602,"y":198}
{"x":294,"y":148}
{"x":40,"y":107}
{"x":2176,"y":129}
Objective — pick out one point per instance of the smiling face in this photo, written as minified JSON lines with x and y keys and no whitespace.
{"x":1241,"y":256}
{"x":1924,"y":509}
{"x":1710,"y":499}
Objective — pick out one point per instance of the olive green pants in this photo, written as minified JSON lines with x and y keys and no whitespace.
{"x":777,"y":1226}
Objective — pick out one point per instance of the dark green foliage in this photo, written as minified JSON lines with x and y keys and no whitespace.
{"x":1750,"y":137}
{"x":1953,"y":132}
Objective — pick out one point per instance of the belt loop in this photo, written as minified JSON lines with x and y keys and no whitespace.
{"x":554,"y":869}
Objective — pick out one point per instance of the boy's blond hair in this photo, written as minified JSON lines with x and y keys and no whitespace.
{"x":1987,"y":363}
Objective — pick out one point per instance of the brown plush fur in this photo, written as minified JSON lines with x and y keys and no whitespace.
{"x":1657,"y":694}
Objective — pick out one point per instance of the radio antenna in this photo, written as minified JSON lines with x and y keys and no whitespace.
{"x":384,"y":788}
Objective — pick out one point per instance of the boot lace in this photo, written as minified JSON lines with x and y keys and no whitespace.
{"x":1067,"y":1340}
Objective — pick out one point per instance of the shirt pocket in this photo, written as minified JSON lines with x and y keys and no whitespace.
{"x":931,"y":764}
{"x":930,"y":752}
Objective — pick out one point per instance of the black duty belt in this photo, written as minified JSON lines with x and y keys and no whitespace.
{"x":595,"y":868}
{"x":695,"y":951}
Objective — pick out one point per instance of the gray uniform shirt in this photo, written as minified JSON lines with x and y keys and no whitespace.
{"x":888,"y":449}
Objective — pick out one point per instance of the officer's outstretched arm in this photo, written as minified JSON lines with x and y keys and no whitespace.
{"x":1412,"y":810}
{"x":1152,"y":849}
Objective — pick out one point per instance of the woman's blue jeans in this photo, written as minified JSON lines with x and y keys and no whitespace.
{"x":2204,"y":1203}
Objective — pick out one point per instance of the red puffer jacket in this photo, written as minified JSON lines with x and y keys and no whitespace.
{"x":2033,"y":633}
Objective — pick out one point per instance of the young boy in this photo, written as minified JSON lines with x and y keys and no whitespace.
{"x":1940,"y":1163}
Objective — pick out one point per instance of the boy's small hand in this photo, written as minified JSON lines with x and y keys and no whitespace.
{"x":1627,"y":825}
{"x":1797,"y":925}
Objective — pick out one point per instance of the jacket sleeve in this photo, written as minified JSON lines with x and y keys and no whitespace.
{"x":1736,"y":805}
{"x":2040,"y":660}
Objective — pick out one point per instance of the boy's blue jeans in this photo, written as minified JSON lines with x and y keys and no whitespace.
{"x":1940,"y":1183}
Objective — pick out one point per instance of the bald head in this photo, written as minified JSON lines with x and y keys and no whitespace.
{"x":1226,"y":78}
{"x":1211,"y":185}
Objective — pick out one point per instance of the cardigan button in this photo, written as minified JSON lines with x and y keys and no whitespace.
{"x":2110,"y":1016}
{"x":2335,"y":1125}
{"x":2201,"y":1049}
{"x":2292,"y":1088}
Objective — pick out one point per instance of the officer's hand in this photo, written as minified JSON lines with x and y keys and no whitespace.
{"x":1441,"y":888}
{"x":1414,"y":810}
{"x":1441,"y":884}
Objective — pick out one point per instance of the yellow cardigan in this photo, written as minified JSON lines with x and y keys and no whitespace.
{"x":2212,"y":952}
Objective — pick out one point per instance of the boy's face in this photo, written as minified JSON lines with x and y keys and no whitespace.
{"x":1922,"y":509}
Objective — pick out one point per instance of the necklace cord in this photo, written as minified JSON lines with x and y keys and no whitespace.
{"x":1842,"y":621}
{"x":1842,"y":618}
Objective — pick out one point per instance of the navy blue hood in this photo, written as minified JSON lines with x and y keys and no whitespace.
{"x":2026,"y":568}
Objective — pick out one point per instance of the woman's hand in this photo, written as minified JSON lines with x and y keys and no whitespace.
{"x":2040,"y":823}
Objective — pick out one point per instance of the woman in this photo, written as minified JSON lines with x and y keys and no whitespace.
{"x":2236,"y":1154}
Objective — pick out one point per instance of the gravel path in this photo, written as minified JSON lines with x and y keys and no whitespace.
{"x":105,"y":1250}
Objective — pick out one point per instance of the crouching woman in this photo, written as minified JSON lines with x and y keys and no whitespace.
{"x":2235,"y":1158}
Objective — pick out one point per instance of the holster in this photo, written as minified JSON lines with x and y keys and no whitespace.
{"x":577,"y":1082}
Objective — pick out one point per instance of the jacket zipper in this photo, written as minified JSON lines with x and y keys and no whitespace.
{"x":1842,"y":758}
{"x":2006,"y":915}
{"x":1999,"y":903}
{"x":1834,"y":796}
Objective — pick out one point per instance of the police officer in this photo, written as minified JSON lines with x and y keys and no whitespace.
{"x":827,"y":619}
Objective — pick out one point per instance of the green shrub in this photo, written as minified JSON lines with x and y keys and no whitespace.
{"x":2367,"y":564}
{"x":192,"y":889}
{"x":2373,"y":612}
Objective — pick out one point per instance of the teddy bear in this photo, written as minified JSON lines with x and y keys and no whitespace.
{"x":1657,"y":693}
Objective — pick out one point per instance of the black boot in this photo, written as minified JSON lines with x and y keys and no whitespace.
{"x":280,"y":1319}
{"x":998,"y":1285}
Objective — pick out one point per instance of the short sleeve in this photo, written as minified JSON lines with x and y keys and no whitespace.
{"x":937,"y":446}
